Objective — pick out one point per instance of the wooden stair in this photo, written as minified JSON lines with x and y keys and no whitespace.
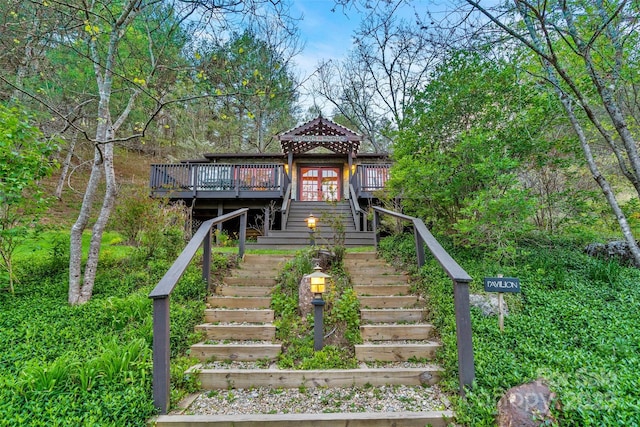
{"x":393,"y":326}
{"x":295,"y":233}
{"x":240,"y":328}
{"x":239,"y":322}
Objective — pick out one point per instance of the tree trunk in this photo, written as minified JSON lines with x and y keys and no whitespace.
{"x":98,"y":229}
{"x":75,"y":251}
{"x":65,"y":165}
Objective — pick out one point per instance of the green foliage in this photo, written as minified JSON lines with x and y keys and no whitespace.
{"x":475,"y":151}
{"x":24,"y":160}
{"x":154,"y":226}
{"x":89,"y":364}
{"x":341,"y":317}
{"x":575,"y":324}
{"x":255,"y":89}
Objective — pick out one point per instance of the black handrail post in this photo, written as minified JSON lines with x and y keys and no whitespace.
{"x":206,"y":259}
{"x":194,"y":179}
{"x":161,"y":354}
{"x":243,"y":234}
{"x":466,"y":369}
{"x":419,"y":247}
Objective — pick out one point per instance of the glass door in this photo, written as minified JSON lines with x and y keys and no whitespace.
{"x":320,"y":184}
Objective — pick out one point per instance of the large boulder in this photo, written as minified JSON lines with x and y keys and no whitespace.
{"x":488,"y":304}
{"x":618,"y":250}
{"x":526,"y":405}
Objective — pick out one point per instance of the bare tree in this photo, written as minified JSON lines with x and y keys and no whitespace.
{"x":390,"y":62}
{"x":578,"y":42}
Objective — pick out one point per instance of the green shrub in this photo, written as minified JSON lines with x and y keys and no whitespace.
{"x":575,"y":324}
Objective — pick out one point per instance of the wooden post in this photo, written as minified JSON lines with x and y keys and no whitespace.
{"x":243,"y":234}
{"x":206,"y":259}
{"x":500,"y":310}
{"x":419,"y":247}
{"x":376,"y":226}
{"x":161,"y":354}
{"x":466,"y":368}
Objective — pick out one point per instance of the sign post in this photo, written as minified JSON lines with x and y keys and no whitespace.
{"x":501,"y":285}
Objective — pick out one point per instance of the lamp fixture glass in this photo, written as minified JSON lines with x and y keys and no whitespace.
{"x":318,"y":280}
{"x":311,"y":222}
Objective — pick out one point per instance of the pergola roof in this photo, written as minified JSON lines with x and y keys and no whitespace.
{"x":320,"y":132}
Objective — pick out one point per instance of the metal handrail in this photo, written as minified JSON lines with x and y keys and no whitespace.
{"x":162,"y":292}
{"x":461,"y":280}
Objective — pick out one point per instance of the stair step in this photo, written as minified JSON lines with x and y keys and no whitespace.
{"x":348,"y":257}
{"x":365,"y":278}
{"x":380,"y":290}
{"x":238,"y":332}
{"x":239,"y":302}
{"x":239,"y":315}
{"x":255,"y":281}
{"x":388,"y":301}
{"x":356,"y":419}
{"x":244,"y":291}
{"x":392,"y":315}
{"x":395,"y":332}
{"x":238,"y":352}
{"x":211,"y":379}
{"x":395,"y":352}
{"x":266,"y":259}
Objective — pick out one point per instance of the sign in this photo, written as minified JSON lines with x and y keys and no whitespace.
{"x":317,"y":138}
{"x":501,"y":284}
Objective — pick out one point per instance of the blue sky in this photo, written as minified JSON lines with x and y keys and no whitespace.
{"x":327,"y":34}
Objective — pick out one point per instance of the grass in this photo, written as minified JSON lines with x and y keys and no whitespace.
{"x":576,"y":325}
{"x":89,"y":364}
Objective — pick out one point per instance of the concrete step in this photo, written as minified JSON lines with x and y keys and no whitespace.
{"x":238,"y":302}
{"x":396,"y":332}
{"x":238,"y":332}
{"x":239,"y":352}
{"x":403,"y":301}
{"x":381,"y":290}
{"x":392,"y":315}
{"x":239,"y":315}
{"x":400,"y":352}
{"x":358,"y":419}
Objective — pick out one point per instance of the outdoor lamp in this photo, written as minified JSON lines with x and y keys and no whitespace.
{"x":311,"y":223}
{"x":317,"y":281}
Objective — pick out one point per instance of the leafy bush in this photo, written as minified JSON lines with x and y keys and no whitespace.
{"x":88,"y":364}
{"x":576,"y":324}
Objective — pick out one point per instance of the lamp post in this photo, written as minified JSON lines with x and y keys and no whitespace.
{"x":311,"y":224}
{"x":317,"y":280}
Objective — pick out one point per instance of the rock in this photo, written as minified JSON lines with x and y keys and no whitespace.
{"x":305,"y":296}
{"x":488,"y":304}
{"x":526,"y":405}
{"x":618,"y":250}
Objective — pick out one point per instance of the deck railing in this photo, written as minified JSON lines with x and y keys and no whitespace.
{"x":162,"y":292}
{"x":199,"y":177}
{"x":369,"y":178}
{"x":461,"y":280}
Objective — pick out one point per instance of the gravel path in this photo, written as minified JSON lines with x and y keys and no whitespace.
{"x":266,"y":400}
{"x":318,"y":400}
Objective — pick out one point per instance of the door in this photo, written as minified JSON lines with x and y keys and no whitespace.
{"x":320,"y":184}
